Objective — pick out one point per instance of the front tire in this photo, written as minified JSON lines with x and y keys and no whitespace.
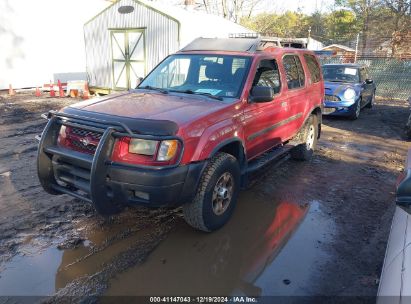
{"x":216,"y":196}
{"x":357,"y":110}
{"x":305,"y":150}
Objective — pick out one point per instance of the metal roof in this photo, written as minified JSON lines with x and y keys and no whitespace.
{"x":339,"y":46}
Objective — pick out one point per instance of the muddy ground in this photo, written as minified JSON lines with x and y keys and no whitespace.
{"x":310,"y":229}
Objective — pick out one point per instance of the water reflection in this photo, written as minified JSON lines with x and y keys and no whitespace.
{"x":242,"y":258}
{"x":221,"y":263}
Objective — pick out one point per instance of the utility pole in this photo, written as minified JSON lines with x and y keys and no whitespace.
{"x":309,"y":37}
{"x":356,"y":47}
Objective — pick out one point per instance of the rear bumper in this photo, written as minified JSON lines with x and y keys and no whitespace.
{"x":96,"y":179}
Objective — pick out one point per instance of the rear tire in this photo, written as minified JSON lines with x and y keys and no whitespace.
{"x":216,"y":196}
{"x":309,"y":134}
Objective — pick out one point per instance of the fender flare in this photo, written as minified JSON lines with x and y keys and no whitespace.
{"x":319,"y":116}
{"x":228,"y":141}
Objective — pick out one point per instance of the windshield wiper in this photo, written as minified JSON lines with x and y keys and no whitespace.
{"x":154,"y":89}
{"x":198,"y":93}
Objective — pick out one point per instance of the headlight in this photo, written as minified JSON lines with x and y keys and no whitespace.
{"x":168,"y":150}
{"x":349,"y":94}
{"x":142,"y":146}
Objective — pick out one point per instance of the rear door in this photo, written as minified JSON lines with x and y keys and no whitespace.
{"x":263,"y":122}
{"x":296,"y":93}
{"x":315,"y":88}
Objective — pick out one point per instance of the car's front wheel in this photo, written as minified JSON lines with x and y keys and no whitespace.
{"x":216,"y":195}
{"x":356,"y":110}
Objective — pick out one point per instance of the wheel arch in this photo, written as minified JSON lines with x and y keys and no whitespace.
{"x":317,"y":111}
{"x":234,"y":147}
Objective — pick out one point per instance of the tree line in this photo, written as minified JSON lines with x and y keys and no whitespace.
{"x":375,"y":21}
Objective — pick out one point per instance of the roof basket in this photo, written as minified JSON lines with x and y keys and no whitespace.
{"x":244,"y":44}
{"x":244,"y":35}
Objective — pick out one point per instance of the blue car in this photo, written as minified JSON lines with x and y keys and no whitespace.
{"x":348,"y":89}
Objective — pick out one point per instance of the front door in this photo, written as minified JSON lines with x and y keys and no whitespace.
{"x":365,"y":87}
{"x":263,"y":122}
{"x":128,"y":51}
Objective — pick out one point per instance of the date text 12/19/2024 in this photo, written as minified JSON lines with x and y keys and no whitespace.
{"x":234,"y":299}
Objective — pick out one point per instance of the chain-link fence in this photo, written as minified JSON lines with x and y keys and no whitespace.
{"x":392,"y":76}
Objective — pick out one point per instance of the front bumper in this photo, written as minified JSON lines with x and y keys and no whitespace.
{"x":341,"y":108}
{"x":153,"y":188}
{"x":95,"y":178}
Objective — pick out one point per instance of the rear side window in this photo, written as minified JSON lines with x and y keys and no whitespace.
{"x":294,"y":72}
{"x":313,"y":67}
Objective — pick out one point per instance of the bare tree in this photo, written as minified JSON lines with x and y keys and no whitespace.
{"x":231,"y":9}
{"x":401,"y":10}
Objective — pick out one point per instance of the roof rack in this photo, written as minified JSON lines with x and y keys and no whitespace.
{"x":243,"y":44}
{"x":240,"y":42}
{"x":244,"y":35}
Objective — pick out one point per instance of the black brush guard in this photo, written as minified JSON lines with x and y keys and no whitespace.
{"x":84,"y":176}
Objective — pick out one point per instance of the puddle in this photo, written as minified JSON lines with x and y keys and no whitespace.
{"x":292,"y":271}
{"x":43,"y":272}
{"x":32,"y":274}
{"x":263,"y":245}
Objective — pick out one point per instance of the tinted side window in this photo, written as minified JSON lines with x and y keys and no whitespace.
{"x":267,"y":75}
{"x":294,"y":72}
{"x":313,"y":67}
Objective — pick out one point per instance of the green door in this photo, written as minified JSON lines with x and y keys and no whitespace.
{"x":128,"y":51}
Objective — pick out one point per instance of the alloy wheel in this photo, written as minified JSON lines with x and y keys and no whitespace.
{"x":222,"y":194}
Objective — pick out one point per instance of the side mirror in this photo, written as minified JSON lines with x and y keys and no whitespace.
{"x":138,"y":81}
{"x":403,"y":195}
{"x":261,"y":94}
{"x":369,"y":81}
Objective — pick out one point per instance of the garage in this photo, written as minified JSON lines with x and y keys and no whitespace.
{"x":127,"y":39}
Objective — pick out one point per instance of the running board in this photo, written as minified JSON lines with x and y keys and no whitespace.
{"x":267,"y":157}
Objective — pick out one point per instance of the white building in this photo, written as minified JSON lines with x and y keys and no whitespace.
{"x":129,"y":38}
{"x":42,"y":38}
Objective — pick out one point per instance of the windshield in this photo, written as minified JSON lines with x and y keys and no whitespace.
{"x":220,"y":76}
{"x":340,"y":74}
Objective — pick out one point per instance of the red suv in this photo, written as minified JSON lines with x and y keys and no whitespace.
{"x":190,"y":133}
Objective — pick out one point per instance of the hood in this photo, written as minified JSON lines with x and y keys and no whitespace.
{"x":338,"y":88}
{"x":153,"y":106}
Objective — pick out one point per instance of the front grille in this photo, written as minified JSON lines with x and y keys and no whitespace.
{"x":85,"y":133}
{"x":83,"y":140}
{"x":332,"y":98}
{"x":90,"y":149}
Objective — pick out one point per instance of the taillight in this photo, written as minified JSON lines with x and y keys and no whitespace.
{"x":146,"y":152}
